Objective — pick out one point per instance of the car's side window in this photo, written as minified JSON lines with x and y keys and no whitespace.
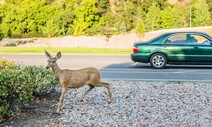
{"x":177,"y":39}
{"x":199,"y":40}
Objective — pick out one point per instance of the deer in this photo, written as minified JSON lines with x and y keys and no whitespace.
{"x":75,"y":79}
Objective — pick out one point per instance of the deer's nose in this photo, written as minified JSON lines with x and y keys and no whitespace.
{"x":47,"y":67}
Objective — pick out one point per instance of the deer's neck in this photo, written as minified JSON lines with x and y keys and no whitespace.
{"x":57,"y":70}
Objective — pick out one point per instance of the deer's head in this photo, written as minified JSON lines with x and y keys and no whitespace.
{"x":52,"y":60}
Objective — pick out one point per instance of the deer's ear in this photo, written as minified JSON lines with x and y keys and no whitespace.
{"x":47,"y":54}
{"x":58,"y":56}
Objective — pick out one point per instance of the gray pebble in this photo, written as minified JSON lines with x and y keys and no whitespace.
{"x":139,"y":103}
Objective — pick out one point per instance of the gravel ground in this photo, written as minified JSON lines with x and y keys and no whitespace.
{"x":136,"y":104}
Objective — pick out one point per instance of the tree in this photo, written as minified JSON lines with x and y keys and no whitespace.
{"x":65,"y":17}
{"x":103,"y":6}
{"x":209,"y":2}
{"x":109,"y":21}
{"x":86,"y":15}
{"x":26,"y":18}
{"x":7,"y":19}
{"x":147,"y":3}
{"x":13,"y":1}
{"x":1,"y":35}
{"x":200,"y":14}
{"x":152,"y":21}
{"x":140,"y":28}
{"x":50,"y":30}
{"x":126,"y":15}
{"x":171,"y":17}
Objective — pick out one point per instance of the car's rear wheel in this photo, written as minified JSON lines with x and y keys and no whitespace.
{"x":158,"y":60}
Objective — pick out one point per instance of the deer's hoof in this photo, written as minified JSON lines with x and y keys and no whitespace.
{"x":58,"y":111}
{"x":81,"y":99}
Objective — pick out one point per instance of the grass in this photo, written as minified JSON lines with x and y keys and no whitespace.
{"x":40,"y":50}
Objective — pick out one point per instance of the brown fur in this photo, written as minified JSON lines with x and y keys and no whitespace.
{"x":75,"y":79}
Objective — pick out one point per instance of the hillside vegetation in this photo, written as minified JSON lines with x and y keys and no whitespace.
{"x":39,"y":18}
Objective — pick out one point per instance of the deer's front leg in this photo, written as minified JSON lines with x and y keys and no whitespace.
{"x":61,"y":102}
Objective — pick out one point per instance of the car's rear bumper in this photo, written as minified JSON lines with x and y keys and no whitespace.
{"x":137,"y":57}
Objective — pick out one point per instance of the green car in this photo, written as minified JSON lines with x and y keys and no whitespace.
{"x":175,"y":48}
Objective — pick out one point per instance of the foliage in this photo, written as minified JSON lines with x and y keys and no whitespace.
{"x":50,"y":29}
{"x":171,"y":18}
{"x":86,"y":15}
{"x":31,"y":18}
{"x":1,"y":35}
{"x":200,"y":14}
{"x":140,"y":28}
{"x":147,"y":3}
{"x":19,"y":84}
{"x":153,"y":18}
{"x":4,"y":64}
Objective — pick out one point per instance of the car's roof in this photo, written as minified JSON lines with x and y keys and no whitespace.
{"x":165,"y":35}
{"x":185,"y":32}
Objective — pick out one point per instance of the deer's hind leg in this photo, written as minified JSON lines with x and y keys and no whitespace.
{"x":108,"y":86}
{"x":83,"y":96}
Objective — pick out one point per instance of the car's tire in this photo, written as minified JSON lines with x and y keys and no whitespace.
{"x":158,"y":60}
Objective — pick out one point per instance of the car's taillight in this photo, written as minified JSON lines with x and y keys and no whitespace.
{"x":135,"y":49}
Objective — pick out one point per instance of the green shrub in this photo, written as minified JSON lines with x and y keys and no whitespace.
{"x":20,"y":84}
{"x":41,"y":79}
{"x":5,"y":63}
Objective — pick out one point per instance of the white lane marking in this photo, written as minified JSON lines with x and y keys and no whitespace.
{"x":187,"y":71}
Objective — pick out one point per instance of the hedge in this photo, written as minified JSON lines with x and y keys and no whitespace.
{"x":20,"y":84}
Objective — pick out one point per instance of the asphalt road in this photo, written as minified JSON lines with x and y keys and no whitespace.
{"x":120,"y":67}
